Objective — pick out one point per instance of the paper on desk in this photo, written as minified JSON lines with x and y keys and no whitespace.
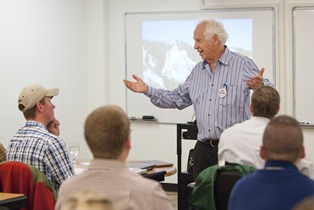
{"x":138,"y":170}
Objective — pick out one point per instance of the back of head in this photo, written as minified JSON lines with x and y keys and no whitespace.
{"x":283,"y":139}
{"x":106,"y":130}
{"x":214,"y":26}
{"x":265,"y":102}
{"x":87,"y":200}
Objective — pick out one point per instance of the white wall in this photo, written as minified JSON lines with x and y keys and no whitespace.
{"x":54,"y":43}
{"x":78,"y":46}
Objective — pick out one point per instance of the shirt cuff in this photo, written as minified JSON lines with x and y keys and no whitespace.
{"x":150,"y":91}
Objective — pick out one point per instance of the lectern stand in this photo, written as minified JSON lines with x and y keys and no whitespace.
{"x":185,"y":131}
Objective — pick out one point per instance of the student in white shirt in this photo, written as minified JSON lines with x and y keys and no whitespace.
{"x":241,"y":143}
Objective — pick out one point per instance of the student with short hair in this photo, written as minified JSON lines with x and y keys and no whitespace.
{"x":279,"y":185}
{"x":107,"y":133}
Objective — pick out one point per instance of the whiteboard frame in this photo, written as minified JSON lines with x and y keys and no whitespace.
{"x":294,"y":8}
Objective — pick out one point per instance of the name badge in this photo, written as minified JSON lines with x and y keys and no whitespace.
{"x":223,"y":91}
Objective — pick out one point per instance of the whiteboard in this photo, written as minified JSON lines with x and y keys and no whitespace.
{"x":152,"y":38}
{"x":303,"y":45}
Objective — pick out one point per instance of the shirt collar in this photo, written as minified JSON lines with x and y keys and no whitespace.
{"x":285,"y":165}
{"x":223,"y":58}
{"x":31,"y":123}
{"x":109,"y":164}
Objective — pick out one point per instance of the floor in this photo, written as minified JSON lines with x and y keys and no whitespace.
{"x":174,"y":199}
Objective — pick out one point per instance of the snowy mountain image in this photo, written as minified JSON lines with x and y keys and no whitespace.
{"x":167,"y":64}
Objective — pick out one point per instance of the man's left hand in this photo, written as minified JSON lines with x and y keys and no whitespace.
{"x":256,"y":81}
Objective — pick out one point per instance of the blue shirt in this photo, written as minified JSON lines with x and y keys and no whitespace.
{"x":34,"y":145}
{"x":279,"y":186}
{"x":213,"y":113}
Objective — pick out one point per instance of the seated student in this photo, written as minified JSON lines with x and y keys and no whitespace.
{"x":279,"y":185}
{"x":37,"y":143}
{"x":88,"y":200}
{"x":241,"y":143}
{"x":3,"y":153}
{"x":107,"y":133}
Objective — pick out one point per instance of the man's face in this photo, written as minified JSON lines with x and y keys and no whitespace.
{"x":202,"y":45}
{"x":48,"y":109}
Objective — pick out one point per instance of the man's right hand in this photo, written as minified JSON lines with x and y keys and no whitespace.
{"x":53,"y":127}
{"x":139,"y":86}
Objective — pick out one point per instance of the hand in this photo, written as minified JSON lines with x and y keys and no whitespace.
{"x":256,"y":81}
{"x":53,"y":127}
{"x":139,"y":86}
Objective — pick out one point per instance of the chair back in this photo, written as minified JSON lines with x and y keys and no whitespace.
{"x":214,"y":184}
{"x":224,"y":182}
{"x":17,"y":177}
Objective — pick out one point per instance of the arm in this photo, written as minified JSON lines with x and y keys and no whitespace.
{"x":179,"y":98}
{"x":159,"y":199}
{"x":58,"y":161}
{"x":3,"y":153}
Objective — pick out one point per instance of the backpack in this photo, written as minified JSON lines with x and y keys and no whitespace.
{"x":202,"y":197}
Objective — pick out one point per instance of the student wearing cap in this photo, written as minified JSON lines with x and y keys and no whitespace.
{"x":38,"y":142}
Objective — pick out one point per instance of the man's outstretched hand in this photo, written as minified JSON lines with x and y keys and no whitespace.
{"x":139,"y":86}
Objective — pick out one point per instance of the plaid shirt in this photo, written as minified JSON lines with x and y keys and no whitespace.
{"x":3,"y":153}
{"x":34,"y":145}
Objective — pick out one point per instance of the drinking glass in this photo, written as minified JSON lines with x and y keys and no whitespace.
{"x":74,"y":151}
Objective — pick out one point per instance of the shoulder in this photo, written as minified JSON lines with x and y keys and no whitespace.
{"x":198,"y":67}
{"x":55,"y":141}
{"x":147,"y":185}
{"x":236,"y":55}
{"x":231,"y":131}
{"x":246,"y":181}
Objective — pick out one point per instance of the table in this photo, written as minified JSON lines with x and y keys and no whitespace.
{"x":162,"y":169}
{"x":13,"y":200}
{"x":159,"y":166}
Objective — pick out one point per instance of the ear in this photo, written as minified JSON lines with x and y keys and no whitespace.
{"x":278,"y":109}
{"x":302,"y":152}
{"x":262,"y":152}
{"x":127,"y":143}
{"x":251,"y":109}
{"x":39,"y":107}
{"x":215,"y":39}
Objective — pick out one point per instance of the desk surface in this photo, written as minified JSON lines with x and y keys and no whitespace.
{"x":82,"y":165}
{"x":5,"y":196}
{"x":13,"y":200}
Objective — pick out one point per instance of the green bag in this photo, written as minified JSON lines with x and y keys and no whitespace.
{"x":202,"y":197}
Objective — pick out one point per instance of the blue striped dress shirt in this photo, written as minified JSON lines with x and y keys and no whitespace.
{"x":213,"y":113}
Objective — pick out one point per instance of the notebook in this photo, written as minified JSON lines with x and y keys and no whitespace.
{"x":141,"y":165}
